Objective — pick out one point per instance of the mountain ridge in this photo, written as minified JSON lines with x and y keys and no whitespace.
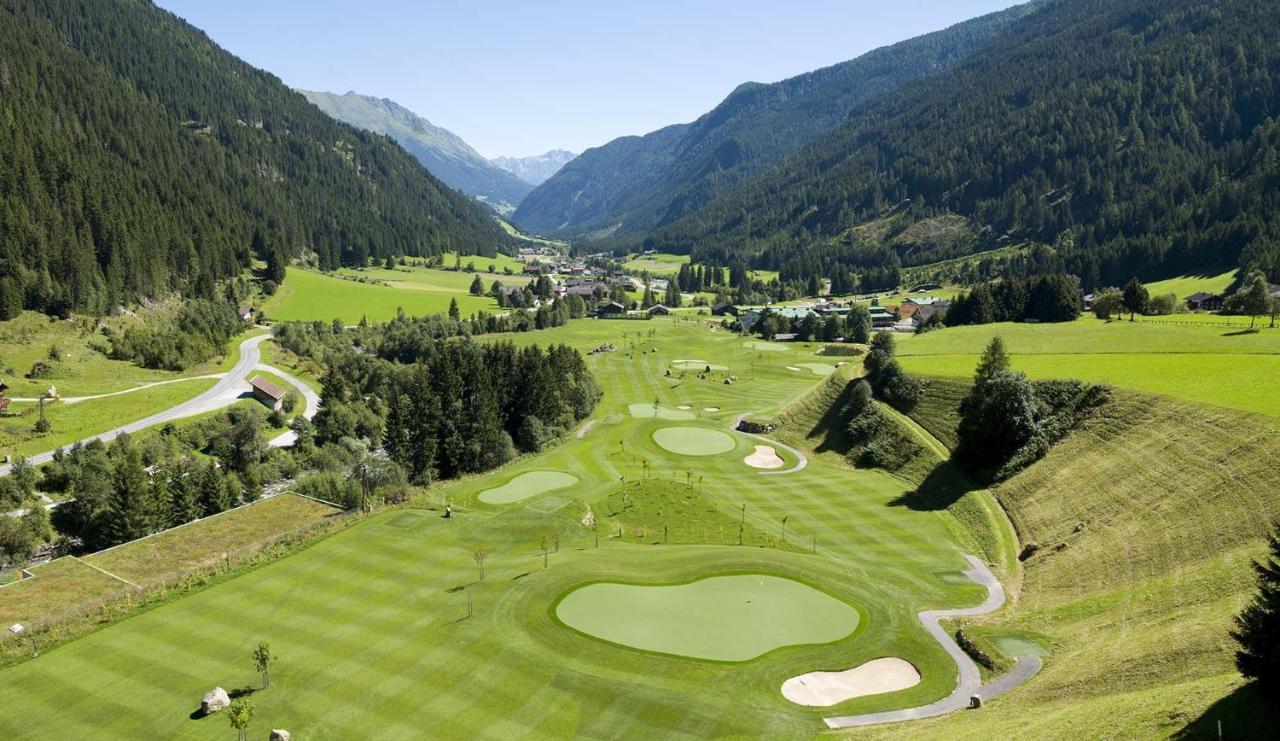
{"x":537,"y":168}
{"x":633,"y":184}
{"x":445,"y":154}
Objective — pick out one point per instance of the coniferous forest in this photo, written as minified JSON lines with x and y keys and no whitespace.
{"x":1133,"y":137}
{"x":137,"y":158}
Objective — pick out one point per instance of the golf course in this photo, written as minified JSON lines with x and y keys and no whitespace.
{"x":659,"y":571}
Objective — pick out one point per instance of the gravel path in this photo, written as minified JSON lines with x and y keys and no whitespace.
{"x":970,"y":682}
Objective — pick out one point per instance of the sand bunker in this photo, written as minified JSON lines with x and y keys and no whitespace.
{"x":823,"y":689}
{"x":792,"y":368}
{"x":684,"y":407}
{"x":764,"y":457}
{"x":711,"y":409}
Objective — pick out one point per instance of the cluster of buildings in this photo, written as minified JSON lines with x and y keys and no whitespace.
{"x":905,"y":317}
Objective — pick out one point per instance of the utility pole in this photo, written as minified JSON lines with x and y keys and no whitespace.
{"x":742,"y":524}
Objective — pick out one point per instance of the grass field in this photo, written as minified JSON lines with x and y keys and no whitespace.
{"x":1188,"y":284}
{"x":1197,"y":363}
{"x":378,"y":611}
{"x":68,"y":586}
{"x":307,"y":295}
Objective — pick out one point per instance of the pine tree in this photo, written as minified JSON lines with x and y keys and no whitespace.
{"x":995,"y":359}
{"x":477,"y":286}
{"x":1258,"y":626}
{"x":130,"y":511}
{"x":454,"y":312}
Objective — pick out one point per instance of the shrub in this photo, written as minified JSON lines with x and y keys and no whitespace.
{"x":41,"y":369}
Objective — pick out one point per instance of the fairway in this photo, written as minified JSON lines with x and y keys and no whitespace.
{"x":721,"y":618}
{"x":528,"y":485}
{"x":694,"y":441}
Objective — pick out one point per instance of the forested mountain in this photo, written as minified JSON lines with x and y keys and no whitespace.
{"x":138,"y":158}
{"x":1130,"y":137}
{"x":441,"y":151}
{"x":537,"y":169}
{"x":633,"y":184}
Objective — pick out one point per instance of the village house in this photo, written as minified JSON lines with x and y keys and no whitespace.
{"x":1202,"y":301}
{"x":268,"y":393}
{"x":611,"y":309}
{"x":246,"y":314}
{"x":881,"y":318}
{"x":658,"y":310}
{"x":724,"y":308}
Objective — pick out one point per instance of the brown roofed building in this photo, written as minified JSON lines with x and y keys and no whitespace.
{"x":268,"y":393}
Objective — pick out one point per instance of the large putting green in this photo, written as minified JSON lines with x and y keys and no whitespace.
{"x":528,"y":485}
{"x":694,"y":440}
{"x":720,"y":618}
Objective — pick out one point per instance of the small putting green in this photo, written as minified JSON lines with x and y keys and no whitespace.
{"x":819,"y":369}
{"x":527,"y":485}
{"x":765,"y":345}
{"x":694,"y":440}
{"x":697,"y":365}
{"x":720,"y":618}
{"x":648,"y":411}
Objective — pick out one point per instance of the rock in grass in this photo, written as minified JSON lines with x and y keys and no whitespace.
{"x":214,"y":700}
{"x":278,"y":734}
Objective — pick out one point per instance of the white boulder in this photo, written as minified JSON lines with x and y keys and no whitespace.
{"x":214,"y":700}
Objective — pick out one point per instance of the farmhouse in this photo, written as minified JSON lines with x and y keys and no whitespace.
{"x":658,"y":310}
{"x":4,"y":396}
{"x":750,"y":319}
{"x":246,"y":314}
{"x":268,"y":393}
{"x":724,"y":308}
{"x":1201,"y":301}
{"x":923,"y":287}
{"x":610,"y":309}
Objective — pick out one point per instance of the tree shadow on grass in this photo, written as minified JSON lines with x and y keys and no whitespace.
{"x":1245,"y":713}
{"x":1240,"y":332}
{"x":943,"y":487}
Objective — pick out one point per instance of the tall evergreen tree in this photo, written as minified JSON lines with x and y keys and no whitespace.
{"x":1257,"y":628}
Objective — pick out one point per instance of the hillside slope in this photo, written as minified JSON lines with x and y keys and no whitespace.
{"x":1144,"y":522}
{"x":633,"y":184}
{"x":441,"y":151}
{"x":138,"y":158}
{"x":1137,"y":136}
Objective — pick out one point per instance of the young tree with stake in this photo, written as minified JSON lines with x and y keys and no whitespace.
{"x":263,"y":659}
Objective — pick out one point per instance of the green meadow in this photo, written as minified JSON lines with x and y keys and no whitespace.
{"x":307,"y":295}
{"x":1186,"y":285}
{"x":1203,"y":363}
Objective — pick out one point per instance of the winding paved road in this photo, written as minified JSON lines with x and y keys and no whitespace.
{"x":230,"y":387}
{"x":970,"y":682}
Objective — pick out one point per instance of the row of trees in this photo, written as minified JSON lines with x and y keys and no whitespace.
{"x":1043,"y":298}
{"x":450,"y":407}
{"x":853,"y":327}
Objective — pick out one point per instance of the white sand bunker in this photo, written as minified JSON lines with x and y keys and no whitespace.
{"x":764,"y":457}
{"x":711,"y":409}
{"x":823,"y":689}
{"x":792,"y":368}
{"x":685,"y":407}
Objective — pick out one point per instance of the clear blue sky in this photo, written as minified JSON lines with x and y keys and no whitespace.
{"x":520,"y":77}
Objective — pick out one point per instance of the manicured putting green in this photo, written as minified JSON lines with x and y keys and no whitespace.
{"x":819,"y":369}
{"x":527,"y":485}
{"x":647,"y":411}
{"x":697,"y":365}
{"x":765,"y":345}
{"x":694,"y":440}
{"x":721,"y":618}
